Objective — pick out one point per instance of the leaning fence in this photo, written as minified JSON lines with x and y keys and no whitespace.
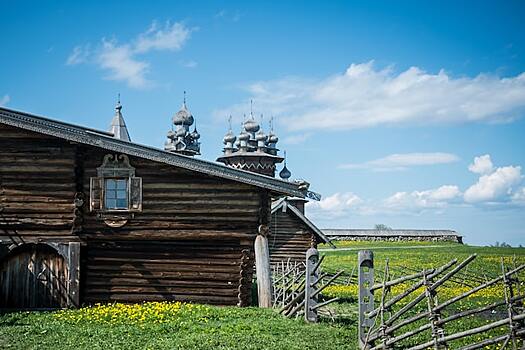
{"x":420,"y":317}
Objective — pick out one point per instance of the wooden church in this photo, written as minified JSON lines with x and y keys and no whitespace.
{"x":89,"y":216}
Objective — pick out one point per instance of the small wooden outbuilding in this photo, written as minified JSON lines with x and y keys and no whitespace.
{"x":86,"y":217}
{"x":291,"y":232}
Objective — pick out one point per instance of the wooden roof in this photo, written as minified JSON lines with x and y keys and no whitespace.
{"x":282,"y":202}
{"x":105,"y":140}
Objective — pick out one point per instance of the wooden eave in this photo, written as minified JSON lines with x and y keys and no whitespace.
{"x":104,"y":140}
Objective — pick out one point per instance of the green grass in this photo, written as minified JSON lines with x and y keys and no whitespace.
{"x":245,"y":328}
{"x":225,"y":328}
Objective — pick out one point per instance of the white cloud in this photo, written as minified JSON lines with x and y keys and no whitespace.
{"x":5,"y":100}
{"x":364,"y":96}
{"x":296,"y":139}
{"x":122,"y":65}
{"x":494,"y":186}
{"x":481,"y":165}
{"x":125,"y":62}
{"x":172,"y":37}
{"x":80,"y":54}
{"x":519,"y":196}
{"x":403,"y":161}
{"x":336,"y":204}
{"x":417,"y":200}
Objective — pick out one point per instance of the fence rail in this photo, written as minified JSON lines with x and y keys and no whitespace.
{"x":401,"y":320}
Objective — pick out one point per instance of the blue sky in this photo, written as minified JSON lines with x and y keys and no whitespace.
{"x":399,"y":113}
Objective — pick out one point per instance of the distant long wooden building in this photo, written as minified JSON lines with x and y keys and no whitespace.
{"x":393,"y":235}
{"x":88,"y":216}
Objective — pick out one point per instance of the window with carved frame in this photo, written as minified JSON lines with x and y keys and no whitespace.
{"x":116,"y":188}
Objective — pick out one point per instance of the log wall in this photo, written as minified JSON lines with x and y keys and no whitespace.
{"x":290,"y":238}
{"x":193,"y":240}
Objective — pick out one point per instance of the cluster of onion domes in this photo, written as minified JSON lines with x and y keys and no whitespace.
{"x":252,"y":149}
{"x":251,"y":138}
{"x":182,"y":140}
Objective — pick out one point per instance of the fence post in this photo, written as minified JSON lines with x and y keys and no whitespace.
{"x":262,"y":268}
{"x":312,"y":257}
{"x":365,"y":263}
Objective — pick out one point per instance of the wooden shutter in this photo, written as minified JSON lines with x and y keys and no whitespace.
{"x":96,"y":187}
{"x":135,"y":194}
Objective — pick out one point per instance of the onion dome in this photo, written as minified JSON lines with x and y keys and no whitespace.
{"x":285,"y":174}
{"x":251,"y":125}
{"x":229,"y":137}
{"x":261,"y":136}
{"x":272,"y":138}
{"x":195,"y":134}
{"x":244,"y":136}
{"x":183,"y":117}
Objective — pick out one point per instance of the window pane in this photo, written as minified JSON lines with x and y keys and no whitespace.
{"x":122,"y":194}
{"x":111,"y":203}
{"x":111,"y":184}
{"x":122,"y":184}
{"x":122,"y":203}
{"x":111,"y":194}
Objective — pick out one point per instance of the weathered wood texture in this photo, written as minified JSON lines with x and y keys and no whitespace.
{"x":37,"y":187}
{"x":289,"y":238}
{"x":35,"y":276}
{"x":197,"y":271}
{"x":200,"y":223}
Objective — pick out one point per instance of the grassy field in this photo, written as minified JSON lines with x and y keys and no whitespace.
{"x":184,"y":326}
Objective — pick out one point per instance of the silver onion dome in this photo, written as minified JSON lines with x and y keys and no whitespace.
{"x":251,"y":125}
{"x":229,"y":137}
{"x":272,"y":138}
{"x":183,"y":116}
{"x":244,"y":136}
{"x":261,"y":136}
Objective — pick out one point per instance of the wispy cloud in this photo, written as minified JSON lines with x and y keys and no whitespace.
{"x":403,"y":161}
{"x":171,"y":37}
{"x":5,"y":100}
{"x":121,"y":64}
{"x":296,"y":138}
{"x":80,"y":54}
{"x":126,"y":61}
{"x":234,"y":16}
{"x":365,"y":96}
{"x":189,"y":64}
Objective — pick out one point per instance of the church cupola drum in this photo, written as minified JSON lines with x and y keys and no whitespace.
{"x":253,"y":150}
{"x":180,"y":139}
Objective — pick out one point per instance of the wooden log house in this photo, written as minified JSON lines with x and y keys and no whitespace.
{"x":86,"y":217}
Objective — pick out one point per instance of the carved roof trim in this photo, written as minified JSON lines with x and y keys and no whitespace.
{"x":104,"y":140}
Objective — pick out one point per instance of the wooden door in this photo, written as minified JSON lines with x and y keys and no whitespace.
{"x":33,"y":276}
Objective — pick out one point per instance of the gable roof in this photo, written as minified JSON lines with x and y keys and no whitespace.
{"x":283,"y":203}
{"x":105,"y":140}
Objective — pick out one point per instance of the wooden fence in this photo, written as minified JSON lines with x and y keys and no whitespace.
{"x":420,"y":317}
